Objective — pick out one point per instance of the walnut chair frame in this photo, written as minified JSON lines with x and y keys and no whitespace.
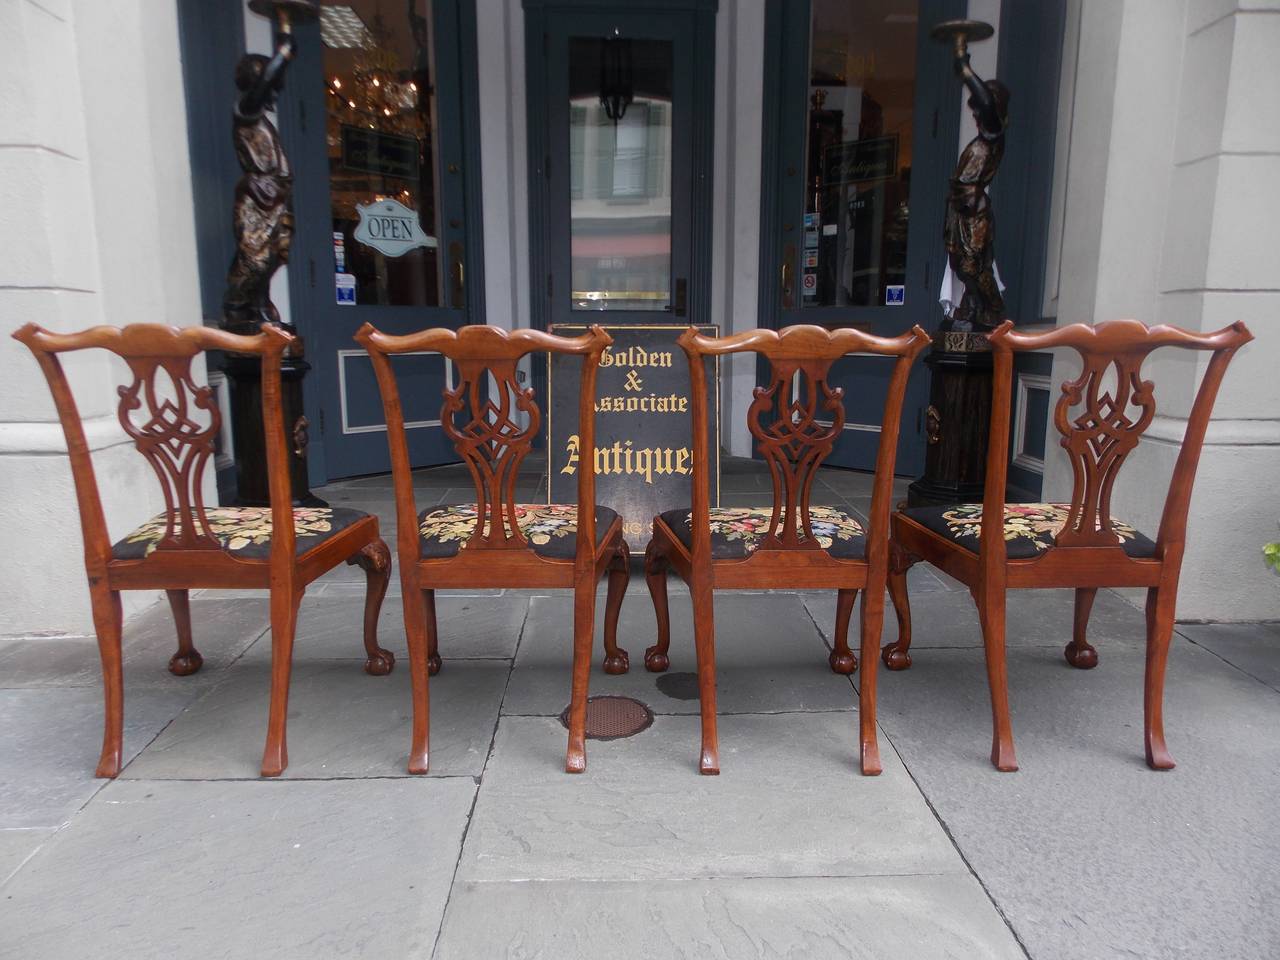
{"x":807,"y":415}
{"x":497,"y":554}
{"x":188,"y":555}
{"x":1086,"y":554}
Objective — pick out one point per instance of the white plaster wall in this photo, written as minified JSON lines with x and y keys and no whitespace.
{"x":1171,"y":183}
{"x":96,"y":225}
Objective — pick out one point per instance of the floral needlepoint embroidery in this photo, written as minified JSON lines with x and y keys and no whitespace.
{"x":1035,"y":523}
{"x":539,"y":523}
{"x":239,"y":528}
{"x":750,"y":525}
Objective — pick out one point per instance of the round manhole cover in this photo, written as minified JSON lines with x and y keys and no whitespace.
{"x":678,"y":686}
{"x":612,"y":718}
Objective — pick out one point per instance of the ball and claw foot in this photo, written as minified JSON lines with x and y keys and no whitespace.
{"x":843,"y":662}
{"x":185,"y":664}
{"x":619,"y":663}
{"x":655,"y":661}
{"x":1083,"y":657}
{"x":380,"y":664}
{"x":894,"y":658}
{"x":433,"y":664}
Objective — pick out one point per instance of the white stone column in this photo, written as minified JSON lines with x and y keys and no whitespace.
{"x":1171,"y":214}
{"x":96,"y":225}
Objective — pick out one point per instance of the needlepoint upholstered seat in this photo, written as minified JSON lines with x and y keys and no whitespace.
{"x":1029,"y":528}
{"x":996,"y":546}
{"x":494,"y":541}
{"x":550,"y":529}
{"x":795,"y":420}
{"x":245,"y":532}
{"x":738,"y":532}
{"x":173,"y":423}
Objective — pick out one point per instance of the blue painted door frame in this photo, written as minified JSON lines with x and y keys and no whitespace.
{"x":348,"y":436}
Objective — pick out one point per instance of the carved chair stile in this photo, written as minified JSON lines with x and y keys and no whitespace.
{"x":497,"y":542}
{"x":795,"y":420}
{"x":997,"y":546}
{"x":191,"y":546}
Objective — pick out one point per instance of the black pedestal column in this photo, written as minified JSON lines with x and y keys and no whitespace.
{"x":244,"y":375}
{"x":957,"y":422}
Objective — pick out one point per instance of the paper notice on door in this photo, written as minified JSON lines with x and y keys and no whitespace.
{"x":344,"y":289}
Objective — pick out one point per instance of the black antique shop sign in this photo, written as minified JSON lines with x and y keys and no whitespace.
{"x":644,"y":426}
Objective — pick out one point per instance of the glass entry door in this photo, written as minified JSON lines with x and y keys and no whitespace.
{"x":381,"y":200}
{"x":866,"y":130}
{"x":618,"y":167}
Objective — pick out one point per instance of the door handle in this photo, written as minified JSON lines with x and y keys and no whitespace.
{"x":457,"y":277}
{"x":682,"y":297}
{"x":788,"y":288}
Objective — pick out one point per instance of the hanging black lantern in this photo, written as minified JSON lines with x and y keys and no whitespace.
{"x":616,"y":77}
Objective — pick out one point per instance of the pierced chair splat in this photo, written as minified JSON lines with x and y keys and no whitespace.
{"x":996,"y":546}
{"x":173,"y":422}
{"x":496,"y":541}
{"x":790,"y":543}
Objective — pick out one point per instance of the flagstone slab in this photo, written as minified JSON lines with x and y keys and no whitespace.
{"x":945,"y":618}
{"x":788,"y":802}
{"x":1086,"y":851}
{"x":17,"y":846}
{"x":332,"y":628}
{"x":214,"y":870}
{"x":342,"y":723}
{"x":50,"y":739}
{"x":222,"y":630}
{"x":917,"y":917}
{"x":769,"y":657}
{"x":1253,"y":648}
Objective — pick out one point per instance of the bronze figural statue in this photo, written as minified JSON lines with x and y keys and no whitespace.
{"x":969,"y":230}
{"x":263,"y":215}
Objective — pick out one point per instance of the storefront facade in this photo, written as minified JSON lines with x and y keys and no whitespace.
{"x":773,"y":163}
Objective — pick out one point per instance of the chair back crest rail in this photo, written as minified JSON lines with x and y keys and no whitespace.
{"x":1100,"y":427}
{"x":163,"y":427}
{"x":480,"y":416}
{"x":796,"y":420}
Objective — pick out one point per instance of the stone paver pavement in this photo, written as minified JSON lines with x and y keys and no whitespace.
{"x":1084,"y":853}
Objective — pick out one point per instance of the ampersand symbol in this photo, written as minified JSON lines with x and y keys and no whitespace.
{"x":633,"y":382}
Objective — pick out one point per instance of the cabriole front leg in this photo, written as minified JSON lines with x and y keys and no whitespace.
{"x":375,"y":559}
{"x":187,"y":660}
{"x":896,"y":655}
{"x":616,"y":660}
{"x":655,"y":576}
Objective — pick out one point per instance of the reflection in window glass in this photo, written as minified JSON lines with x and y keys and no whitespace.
{"x":862,"y":65}
{"x":379,"y":76}
{"x":620,"y":173}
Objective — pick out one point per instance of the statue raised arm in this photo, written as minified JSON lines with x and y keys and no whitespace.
{"x":969,"y":230}
{"x":262,"y":216}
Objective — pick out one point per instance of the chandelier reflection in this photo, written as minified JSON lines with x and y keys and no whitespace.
{"x":617,"y":84}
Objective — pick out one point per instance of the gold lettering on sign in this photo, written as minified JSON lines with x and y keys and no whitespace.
{"x":624,"y":459}
{"x":650,"y":404}
{"x":635,"y":357}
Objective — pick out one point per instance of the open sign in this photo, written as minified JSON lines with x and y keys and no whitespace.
{"x":391,"y":228}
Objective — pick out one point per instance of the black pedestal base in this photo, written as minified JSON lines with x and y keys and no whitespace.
{"x":955,"y":466}
{"x":244,"y":375}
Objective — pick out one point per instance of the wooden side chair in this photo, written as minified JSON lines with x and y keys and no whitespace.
{"x":278,"y":548}
{"x":994,"y":546}
{"x":496,"y":542}
{"x":795,"y":421}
